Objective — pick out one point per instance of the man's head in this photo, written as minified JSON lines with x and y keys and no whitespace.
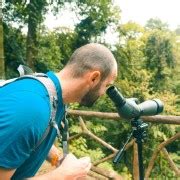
{"x":96,"y":65}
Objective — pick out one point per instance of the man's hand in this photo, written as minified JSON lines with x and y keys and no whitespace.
{"x":70,"y":169}
{"x":70,"y":165}
{"x":74,"y":168}
{"x":6,"y":174}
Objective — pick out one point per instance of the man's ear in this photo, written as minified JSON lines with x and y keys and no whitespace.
{"x":95,"y":77}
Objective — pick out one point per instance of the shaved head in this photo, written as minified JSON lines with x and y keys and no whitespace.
{"x":92,"y":56}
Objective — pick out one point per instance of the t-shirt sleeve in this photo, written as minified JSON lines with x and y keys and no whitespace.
{"x":23,"y":120}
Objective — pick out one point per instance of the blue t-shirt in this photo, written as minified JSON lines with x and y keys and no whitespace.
{"x":24,"y":117}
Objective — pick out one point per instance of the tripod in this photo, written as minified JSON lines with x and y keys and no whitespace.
{"x":139,"y":133}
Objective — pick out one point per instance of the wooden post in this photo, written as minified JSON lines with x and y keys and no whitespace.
{"x":2,"y":74}
{"x":135,"y":162}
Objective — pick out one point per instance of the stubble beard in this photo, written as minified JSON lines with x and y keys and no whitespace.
{"x":90,"y":97}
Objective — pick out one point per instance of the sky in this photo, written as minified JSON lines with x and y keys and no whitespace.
{"x":142,"y":10}
{"x":135,"y":10}
{"x":66,"y":19}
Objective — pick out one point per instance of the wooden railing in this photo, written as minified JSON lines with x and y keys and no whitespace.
{"x":106,"y":174}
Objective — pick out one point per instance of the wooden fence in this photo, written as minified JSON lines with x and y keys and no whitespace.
{"x":106,"y":174}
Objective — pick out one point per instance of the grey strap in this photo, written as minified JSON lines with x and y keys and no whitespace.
{"x":63,"y":135}
{"x":51,"y":89}
{"x":24,"y":70}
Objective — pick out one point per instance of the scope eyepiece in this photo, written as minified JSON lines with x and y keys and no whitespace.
{"x":116,"y":96}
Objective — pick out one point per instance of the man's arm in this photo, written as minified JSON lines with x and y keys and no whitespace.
{"x":6,"y":174}
{"x":71,"y":168}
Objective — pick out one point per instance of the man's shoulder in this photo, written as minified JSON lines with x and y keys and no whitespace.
{"x":26,"y":84}
{"x":24,"y":107}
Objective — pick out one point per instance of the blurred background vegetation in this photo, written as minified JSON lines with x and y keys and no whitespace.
{"x":148,"y":59}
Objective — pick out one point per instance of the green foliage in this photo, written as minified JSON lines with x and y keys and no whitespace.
{"x":137,"y":85}
{"x":169,"y":100}
{"x":2,"y":72}
{"x":20,"y":10}
{"x":160,"y":59}
{"x":130,"y":30}
{"x":80,"y":148}
{"x":174,"y":81}
{"x":95,"y":16}
{"x":30,"y":14}
{"x":156,"y":23}
{"x":162,"y":170}
{"x":49,"y":55}
{"x":14,"y":50}
{"x":65,"y":40}
{"x":177,"y":31}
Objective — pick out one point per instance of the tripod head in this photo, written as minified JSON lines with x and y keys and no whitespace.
{"x":128,"y":108}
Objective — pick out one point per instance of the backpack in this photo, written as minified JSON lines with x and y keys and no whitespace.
{"x":62,"y":132}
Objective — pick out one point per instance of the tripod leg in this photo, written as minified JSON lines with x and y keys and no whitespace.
{"x":139,"y":131}
{"x":121,"y":151}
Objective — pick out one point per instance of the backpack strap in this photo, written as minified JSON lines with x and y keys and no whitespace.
{"x":64,"y":135}
{"x":51,"y":89}
{"x":4,"y":82}
{"x":62,"y":132}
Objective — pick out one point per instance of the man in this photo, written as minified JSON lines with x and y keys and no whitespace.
{"x":25,"y":111}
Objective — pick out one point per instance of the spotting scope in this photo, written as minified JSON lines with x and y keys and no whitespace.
{"x":128,"y":108}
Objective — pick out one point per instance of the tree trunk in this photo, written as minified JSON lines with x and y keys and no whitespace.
{"x":31,"y":43}
{"x":2,"y":74}
{"x":31,"y":49}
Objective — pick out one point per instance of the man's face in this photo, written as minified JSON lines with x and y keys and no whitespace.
{"x":93,"y":94}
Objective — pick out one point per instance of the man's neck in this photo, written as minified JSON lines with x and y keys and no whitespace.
{"x":72,"y":88}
